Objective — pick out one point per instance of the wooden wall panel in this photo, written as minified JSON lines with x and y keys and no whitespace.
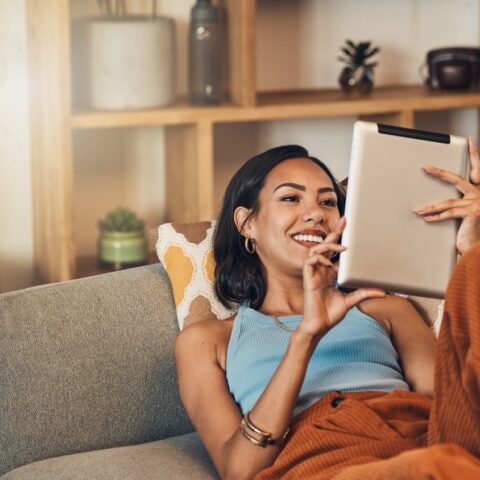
{"x":241,"y":39}
{"x":189,"y":172}
{"x":49,"y":83}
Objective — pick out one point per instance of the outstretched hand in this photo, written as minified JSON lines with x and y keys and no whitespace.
{"x":466,"y":208}
{"x":324,"y":305}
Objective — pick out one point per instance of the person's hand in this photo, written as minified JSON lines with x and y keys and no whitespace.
{"x":324,"y":305}
{"x":466,"y":208}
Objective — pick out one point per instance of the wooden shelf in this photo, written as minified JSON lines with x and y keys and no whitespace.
{"x":288,"y":105}
{"x":88,"y":265}
{"x":333,"y":102}
{"x":189,"y":131}
{"x":180,"y":113}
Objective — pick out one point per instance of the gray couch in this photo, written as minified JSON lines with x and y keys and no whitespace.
{"x":87,"y":382}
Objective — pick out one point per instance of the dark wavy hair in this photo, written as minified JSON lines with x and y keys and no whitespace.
{"x":239,"y":276}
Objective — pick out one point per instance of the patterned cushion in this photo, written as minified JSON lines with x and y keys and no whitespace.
{"x":185,"y":251}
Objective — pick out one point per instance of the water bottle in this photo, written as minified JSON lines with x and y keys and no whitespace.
{"x":205,"y":69}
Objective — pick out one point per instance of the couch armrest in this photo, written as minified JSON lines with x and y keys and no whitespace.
{"x":88,"y":364}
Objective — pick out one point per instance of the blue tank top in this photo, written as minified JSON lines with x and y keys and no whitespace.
{"x":356,"y":355}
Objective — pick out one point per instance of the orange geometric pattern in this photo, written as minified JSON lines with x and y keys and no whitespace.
{"x":185,"y":251}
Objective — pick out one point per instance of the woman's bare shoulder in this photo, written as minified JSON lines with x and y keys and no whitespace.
{"x":385,"y":309}
{"x":211,"y":329}
{"x":207,"y":339}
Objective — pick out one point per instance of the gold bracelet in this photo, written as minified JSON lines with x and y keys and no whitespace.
{"x":265,"y":437}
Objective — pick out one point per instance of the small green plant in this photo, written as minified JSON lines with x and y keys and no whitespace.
{"x":121,"y":220}
{"x":357,"y":54}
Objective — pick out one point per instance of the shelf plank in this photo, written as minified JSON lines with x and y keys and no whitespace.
{"x":387,"y":99}
{"x":181,"y":113}
{"x":288,"y":105}
{"x":88,"y":266}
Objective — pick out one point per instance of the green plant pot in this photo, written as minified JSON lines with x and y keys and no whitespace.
{"x":122,"y":249}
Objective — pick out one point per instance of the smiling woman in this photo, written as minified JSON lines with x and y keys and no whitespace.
{"x":303,"y":368}
{"x":308,"y":236}
{"x":239,"y":275}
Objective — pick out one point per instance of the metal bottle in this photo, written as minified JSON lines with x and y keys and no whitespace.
{"x":204,"y":62}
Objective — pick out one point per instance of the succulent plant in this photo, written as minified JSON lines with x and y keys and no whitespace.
{"x":357,"y":54}
{"x":121,"y":220}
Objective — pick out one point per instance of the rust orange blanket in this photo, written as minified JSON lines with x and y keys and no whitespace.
{"x":402,"y":435}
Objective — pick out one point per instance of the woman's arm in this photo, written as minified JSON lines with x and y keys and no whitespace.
{"x":411,"y":336}
{"x":205,"y":394}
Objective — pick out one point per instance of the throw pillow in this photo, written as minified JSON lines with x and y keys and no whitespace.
{"x":185,"y":251}
{"x":430,"y":309}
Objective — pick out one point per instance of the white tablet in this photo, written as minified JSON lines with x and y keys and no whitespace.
{"x":388,"y":245}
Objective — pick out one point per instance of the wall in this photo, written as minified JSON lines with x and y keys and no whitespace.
{"x":16,"y":242}
{"x":297,"y":46}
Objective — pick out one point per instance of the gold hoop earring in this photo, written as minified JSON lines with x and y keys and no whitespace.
{"x":250,"y":245}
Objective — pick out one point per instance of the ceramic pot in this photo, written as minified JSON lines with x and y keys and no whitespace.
{"x":129,"y":63}
{"x":356,"y":80}
{"x":122,"y":249}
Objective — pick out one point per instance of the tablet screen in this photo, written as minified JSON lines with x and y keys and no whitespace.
{"x":388,"y":245}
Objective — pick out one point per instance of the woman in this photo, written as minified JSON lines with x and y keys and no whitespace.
{"x":297,"y":340}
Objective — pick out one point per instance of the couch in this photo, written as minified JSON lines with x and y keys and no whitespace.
{"x":87,"y":382}
{"x":87,"y":375}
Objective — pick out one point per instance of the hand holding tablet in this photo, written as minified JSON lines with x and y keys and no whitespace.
{"x":467,"y":208}
{"x":390,"y":246}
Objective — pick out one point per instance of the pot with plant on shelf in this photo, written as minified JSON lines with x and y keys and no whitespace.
{"x":124,"y":61}
{"x":122,"y":242}
{"x":357,"y":75}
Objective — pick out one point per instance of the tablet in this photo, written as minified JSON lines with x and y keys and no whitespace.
{"x":388,"y":245}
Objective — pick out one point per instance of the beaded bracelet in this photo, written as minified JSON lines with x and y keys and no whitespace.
{"x":265,"y":437}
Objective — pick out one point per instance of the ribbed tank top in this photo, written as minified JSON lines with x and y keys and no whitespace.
{"x":355,"y":355}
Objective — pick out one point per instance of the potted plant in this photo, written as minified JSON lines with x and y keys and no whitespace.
{"x":125,"y":61}
{"x":122,"y":242}
{"x":357,"y":76}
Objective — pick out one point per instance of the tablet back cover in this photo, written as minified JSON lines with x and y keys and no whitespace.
{"x":388,"y":245}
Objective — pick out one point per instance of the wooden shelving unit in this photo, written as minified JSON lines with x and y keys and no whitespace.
{"x":88,"y":266}
{"x":189,"y":131}
{"x":288,"y":105}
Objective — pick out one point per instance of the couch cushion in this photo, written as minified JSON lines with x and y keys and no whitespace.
{"x":88,"y":364}
{"x":176,"y":458}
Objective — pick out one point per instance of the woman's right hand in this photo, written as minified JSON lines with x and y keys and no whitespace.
{"x":323,"y":304}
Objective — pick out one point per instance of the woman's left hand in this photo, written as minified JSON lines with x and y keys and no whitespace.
{"x":467,"y":208}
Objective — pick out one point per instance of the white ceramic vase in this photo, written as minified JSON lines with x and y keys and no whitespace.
{"x":129,"y":62}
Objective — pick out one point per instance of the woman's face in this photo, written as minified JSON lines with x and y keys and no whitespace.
{"x":297,"y":210}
